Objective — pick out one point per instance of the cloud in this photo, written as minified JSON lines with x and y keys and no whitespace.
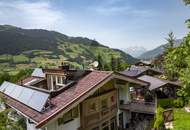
{"x":30,"y":14}
{"x":122,"y":10}
{"x":120,"y":7}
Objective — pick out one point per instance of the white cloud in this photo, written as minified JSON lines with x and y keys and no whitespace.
{"x":31,"y":15}
{"x":123,"y":10}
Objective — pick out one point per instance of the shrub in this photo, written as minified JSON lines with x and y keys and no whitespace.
{"x":166,"y":103}
{"x":169,"y":103}
{"x":159,"y":121}
{"x":179,"y":103}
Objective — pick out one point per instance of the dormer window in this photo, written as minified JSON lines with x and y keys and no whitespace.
{"x":60,"y":80}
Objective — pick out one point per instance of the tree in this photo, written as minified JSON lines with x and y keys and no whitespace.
{"x":177,"y":64}
{"x":170,"y":41}
{"x":187,"y":2}
{"x":100,"y":61}
{"x":4,"y":77}
{"x":113,"y":63}
{"x":169,"y":59}
{"x":6,"y":123}
{"x":121,"y":65}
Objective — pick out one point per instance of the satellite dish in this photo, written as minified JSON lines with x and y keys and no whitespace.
{"x":95,"y":64}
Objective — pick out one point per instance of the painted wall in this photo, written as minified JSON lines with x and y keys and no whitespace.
{"x":124,"y":93}
{"x":72,"y":125}
{"x":31,"y":126}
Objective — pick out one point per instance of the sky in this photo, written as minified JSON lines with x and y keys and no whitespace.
{"x":115,"y":23}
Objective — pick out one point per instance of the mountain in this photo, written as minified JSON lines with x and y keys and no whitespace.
{"x":20,"y":48}
{"x":135,"y":51}
{"x":157,"y":51}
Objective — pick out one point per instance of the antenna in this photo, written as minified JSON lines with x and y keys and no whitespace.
{"x":94,"y":65}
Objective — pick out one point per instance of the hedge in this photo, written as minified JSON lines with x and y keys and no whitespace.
{"x":169,"y":103}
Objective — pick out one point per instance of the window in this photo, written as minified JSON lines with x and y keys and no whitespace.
{"x":92,"y":107}
{"x":64,"y":80}
{"x":75,"y":112}
{"x":30,"y":122}
{"x":104,"y":104}
{"x":59,"y":80}
{"x":69,"y":116}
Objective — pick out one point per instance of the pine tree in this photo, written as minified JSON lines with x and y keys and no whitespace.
{"x":100,"y":61}
{"x":113,"y":63}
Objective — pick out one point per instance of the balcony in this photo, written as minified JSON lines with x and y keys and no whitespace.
{"x":139,"y":107}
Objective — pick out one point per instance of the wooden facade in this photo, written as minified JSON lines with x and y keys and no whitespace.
{"x":99,"y":111}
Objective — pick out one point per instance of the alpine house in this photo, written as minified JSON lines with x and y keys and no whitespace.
{"x":67,"y":99}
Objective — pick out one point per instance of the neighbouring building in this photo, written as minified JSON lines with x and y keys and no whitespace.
{"x":66,"y":99}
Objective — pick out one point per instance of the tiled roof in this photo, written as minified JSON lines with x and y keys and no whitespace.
{"x":63,"y":100}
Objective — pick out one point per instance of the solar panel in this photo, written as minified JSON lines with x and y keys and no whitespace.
{"x":16,"y":94}
{"x":3,"y":86}
{"x":26,"y":95}
{"x":37,"y":99}
{"x":30,"y":97}
{"x":9,"y":89}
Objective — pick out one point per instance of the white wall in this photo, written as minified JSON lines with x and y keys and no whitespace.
{"x":124,"y":93}
{"x":72,"y":125}
{"x":31,"y":126}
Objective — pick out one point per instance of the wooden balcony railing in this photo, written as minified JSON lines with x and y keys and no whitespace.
{"x":140,"y":107}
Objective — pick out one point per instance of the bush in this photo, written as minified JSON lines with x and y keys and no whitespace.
{"x":179,"y":103}
{"x":159,"y":121}
{"x":169,"y":103}
{"x":166,"y":103}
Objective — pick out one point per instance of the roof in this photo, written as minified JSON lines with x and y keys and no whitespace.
{"x":69,"y":97}
{"x":156,"y":82}
{"x":146,"y":63}
{"x":136,"y":71}
{"x":38,"y":72}
{"x":63,"y":100}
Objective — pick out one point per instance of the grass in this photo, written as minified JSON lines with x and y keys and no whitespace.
{"x":5,"y":58}
{"x":181,"y":119}
{"x":20,"y":58}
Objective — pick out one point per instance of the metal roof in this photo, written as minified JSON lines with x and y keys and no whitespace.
{"x":154,"y":82}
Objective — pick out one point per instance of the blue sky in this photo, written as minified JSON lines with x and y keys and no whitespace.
{"x":115,"y":23}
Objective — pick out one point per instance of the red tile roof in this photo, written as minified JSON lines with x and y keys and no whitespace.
{"x":63,"y":100}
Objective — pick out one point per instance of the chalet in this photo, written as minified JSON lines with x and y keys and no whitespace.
{"x":144,"y":63}
{"x":143,"y":101}
{"x":66,"y":99}
{"x":136,"y":71}
{"x":162,"y":88}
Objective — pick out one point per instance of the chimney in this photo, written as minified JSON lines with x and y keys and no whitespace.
{"x":64,"y":66}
